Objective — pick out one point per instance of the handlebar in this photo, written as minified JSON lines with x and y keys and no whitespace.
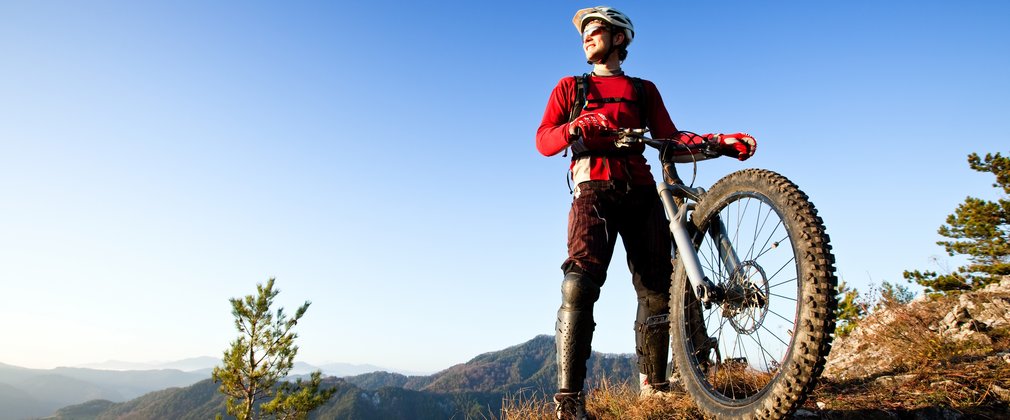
{"x":629,"y":136}
{"x":668,"y":151}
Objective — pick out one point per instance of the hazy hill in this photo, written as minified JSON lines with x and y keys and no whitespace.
{"x":205,"y":364}
{"x":347,"y":369}
{"x":59,"y":390}
{"x":470,"y":389}
{"x":19,"y":404}
{"x":530,"y":365}
{"x":185,"y":365}
{"x":202,"y":401}
{"x":39,"y":392}
{"x":26,"y":393}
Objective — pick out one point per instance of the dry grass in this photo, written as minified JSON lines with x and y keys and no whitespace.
{"x":927,"y":367}
{"x":918,"y":366}
{"x":738,"y":380}
{"x":614,"y":402}
{"x":525,"y":404}
{"x":975,"y":387}
{"x":605,"y":402}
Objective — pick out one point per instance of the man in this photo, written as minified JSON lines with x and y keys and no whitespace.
{"x":614,"y":194}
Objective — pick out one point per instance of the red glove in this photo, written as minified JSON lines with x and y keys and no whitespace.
{"x":739,"y":145}
{"x":596,"y":129}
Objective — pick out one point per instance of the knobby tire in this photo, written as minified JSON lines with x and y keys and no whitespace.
{"x":759,"y":360}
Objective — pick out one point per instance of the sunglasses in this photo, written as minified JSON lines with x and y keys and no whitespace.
{"x":593,"y":28}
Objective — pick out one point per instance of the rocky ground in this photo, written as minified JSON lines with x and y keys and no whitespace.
{"x":935,"y":357}
{"x":945,"y":357}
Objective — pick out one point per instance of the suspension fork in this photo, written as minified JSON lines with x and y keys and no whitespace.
{"x":703,"y":287}
{"x":727,"y":253}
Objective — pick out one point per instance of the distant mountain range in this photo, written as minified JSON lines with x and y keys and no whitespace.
{"x":207,"y":363}
{"x":30,"y":393}
{"x":471,"y":389}
{"x":185,"y":365}
{"x":38,"y":392}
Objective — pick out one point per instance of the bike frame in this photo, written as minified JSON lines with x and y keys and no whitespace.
{"x":670,"y":188}
{"x":730,"y":382}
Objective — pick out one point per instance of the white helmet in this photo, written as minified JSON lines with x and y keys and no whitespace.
{"x":608,"y":14}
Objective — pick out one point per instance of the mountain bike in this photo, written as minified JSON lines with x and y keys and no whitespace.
{"x":752,"y":301}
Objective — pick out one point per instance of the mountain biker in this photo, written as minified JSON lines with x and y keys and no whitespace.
{"x":614,"y":194}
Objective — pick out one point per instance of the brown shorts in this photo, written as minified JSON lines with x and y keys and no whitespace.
{"x":602,"y":210}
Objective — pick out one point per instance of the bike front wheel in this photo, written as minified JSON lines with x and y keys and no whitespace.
{"x":758,"y":350}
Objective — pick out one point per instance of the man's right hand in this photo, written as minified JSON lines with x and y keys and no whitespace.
{"x":595,"y":128}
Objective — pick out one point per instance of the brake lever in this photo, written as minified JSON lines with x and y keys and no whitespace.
{"x":627,"y":136}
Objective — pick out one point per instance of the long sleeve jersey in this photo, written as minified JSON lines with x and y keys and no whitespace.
{"x":607,"y":163}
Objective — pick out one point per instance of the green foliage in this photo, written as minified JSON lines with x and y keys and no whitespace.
{"x":854,"y":307}
{"x":936,"y":283}
{"x":894,"y":294}
{"x":294,"y":401}
{"x":850,"y":310}
{"x":978,"y":229}
{"x":263,"y":353}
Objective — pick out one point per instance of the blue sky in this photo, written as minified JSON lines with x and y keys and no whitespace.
{"x":377,"y":158}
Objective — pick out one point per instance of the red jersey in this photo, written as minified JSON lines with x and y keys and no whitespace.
{"x":552,"y":136}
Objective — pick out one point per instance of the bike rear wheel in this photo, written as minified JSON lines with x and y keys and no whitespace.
{"x":759,"y":351}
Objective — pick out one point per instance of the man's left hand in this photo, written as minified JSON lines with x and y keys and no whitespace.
{"x":741,"y":145}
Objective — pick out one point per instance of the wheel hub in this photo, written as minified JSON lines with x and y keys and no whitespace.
{"x":746,"y":298}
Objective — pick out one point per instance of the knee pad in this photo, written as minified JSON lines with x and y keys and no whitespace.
{"x":575,"y":329}
{"x":578,"y":292}
{"x":652,"y":304}
{"x":652,"y":336}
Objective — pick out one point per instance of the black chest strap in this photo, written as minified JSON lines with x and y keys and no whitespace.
{"x":581,"y":102}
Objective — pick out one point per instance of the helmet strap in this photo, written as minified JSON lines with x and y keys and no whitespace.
{"x":610,"y":51}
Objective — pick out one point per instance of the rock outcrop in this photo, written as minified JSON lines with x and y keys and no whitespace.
{"x":893,"y":337}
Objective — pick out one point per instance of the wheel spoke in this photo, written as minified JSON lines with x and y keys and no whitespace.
{"x":754,"y":237}
{"x":783,"y":297}
{"x":782,"y":268}
{"x":739,"y":220}
{"x":759,"y":225}
{"x":791,"y":322}
{"x":783,"y":282}
{"x":775,"y":335}
{"x":763,"y":222}
{"x":783,"y":239}
{"x":733,"y":383}
{"x":709,"y":317}
{"x":713,"y":265}
{"x":763,"y":351}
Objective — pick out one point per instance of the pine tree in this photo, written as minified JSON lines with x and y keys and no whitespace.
{"x":979,"y":229}
{"x":295,"y":401}
{"x":892,"y":294}
{"x":850,"y":310}
{"x":260,"y":357}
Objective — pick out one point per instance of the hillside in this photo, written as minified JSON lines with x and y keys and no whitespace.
{"x":944,"y":354}
{"x":473,"y":389}
{"x":39,"y":392}
{"x":18,"y":404}
{"x":936,"y":357}
{"x":945,"y":357}
{"x":530,"y":365}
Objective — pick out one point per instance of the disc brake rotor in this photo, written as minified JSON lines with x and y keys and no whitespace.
{"x":746,"y":302}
